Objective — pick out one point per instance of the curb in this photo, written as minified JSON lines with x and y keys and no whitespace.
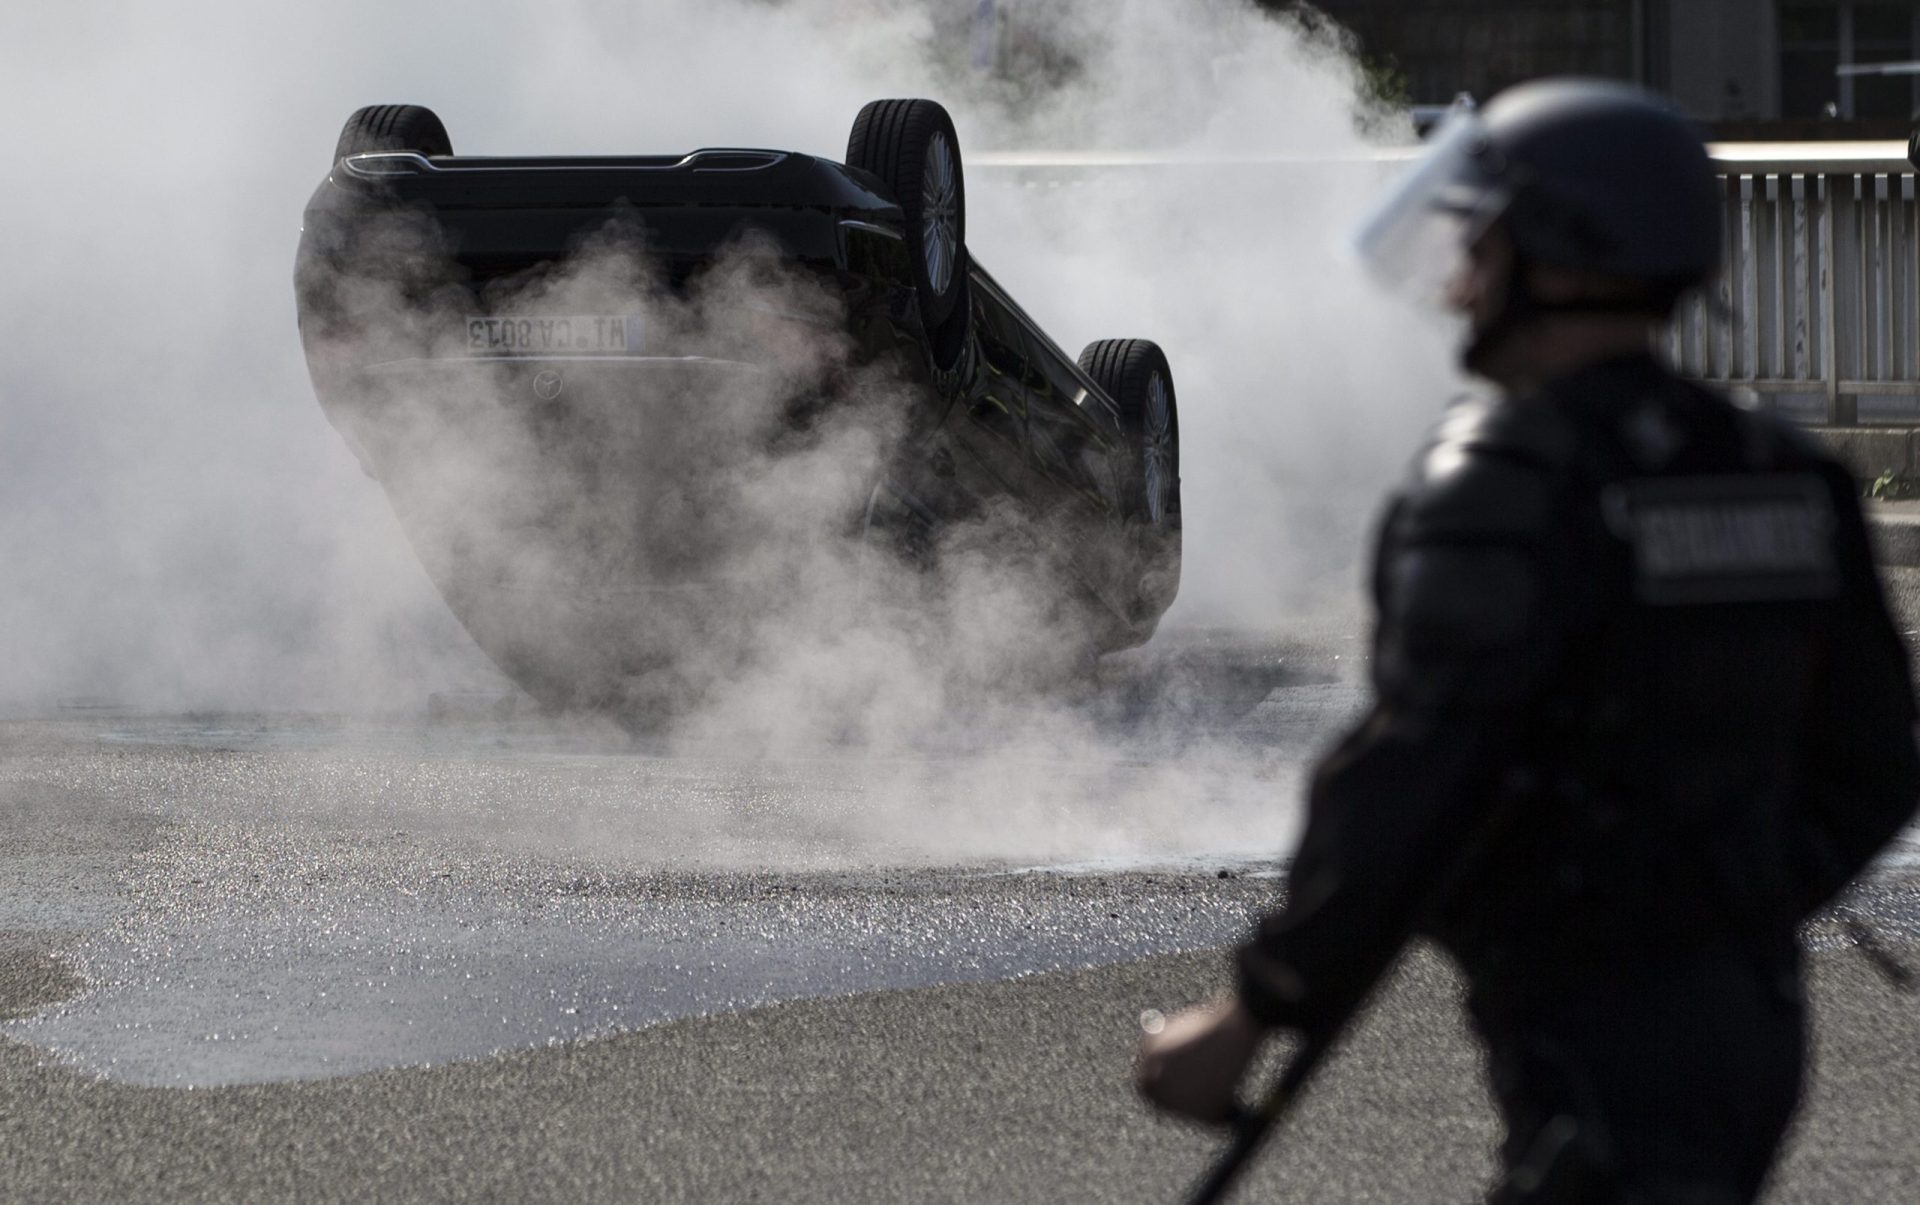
{"x":1895,"y":527}
{"x":1871,"y":452}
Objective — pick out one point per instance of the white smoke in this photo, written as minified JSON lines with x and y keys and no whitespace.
{"x":182,"y":528}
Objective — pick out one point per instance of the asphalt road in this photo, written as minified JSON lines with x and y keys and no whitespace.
{"x":303,"y":957}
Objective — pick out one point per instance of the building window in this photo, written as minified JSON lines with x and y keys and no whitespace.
{"x":1809,"y":60}
{"x":1882,"y":33}
{"x":1816,"y":40}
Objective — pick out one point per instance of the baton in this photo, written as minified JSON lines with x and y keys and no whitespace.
{"x":1252,"y":1127}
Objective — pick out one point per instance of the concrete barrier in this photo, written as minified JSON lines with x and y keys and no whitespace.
{"x":1895,"y":527}
{"x":1873,"y":452}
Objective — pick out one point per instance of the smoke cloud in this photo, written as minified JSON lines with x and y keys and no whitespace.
{"x":182,"y":527}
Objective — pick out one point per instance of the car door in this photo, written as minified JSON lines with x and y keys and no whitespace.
{"x":989,"y":430}
{"x":1073,"y":436}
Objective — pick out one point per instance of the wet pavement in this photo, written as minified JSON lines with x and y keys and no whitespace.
{"x":301,"y":897}
{"x":296,"y":897}
{"x":497,"y":957}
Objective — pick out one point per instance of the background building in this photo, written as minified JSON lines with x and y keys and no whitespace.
{"x":1751,"y":67}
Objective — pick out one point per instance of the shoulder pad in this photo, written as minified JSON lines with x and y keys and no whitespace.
{"x":1491,"y":471}
{"x":1503,"y":426}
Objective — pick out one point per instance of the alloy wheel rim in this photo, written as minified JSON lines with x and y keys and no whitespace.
{"x":1158,"y":449}
{"x":940,"y":213}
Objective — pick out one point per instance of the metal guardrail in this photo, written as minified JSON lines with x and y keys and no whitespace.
{"x":1817,"y":313}
{"x":1817,"y":310}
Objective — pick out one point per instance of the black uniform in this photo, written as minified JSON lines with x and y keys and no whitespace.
{"x":1640,"y":711}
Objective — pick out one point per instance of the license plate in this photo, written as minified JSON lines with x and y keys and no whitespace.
{"x":570,"y":335}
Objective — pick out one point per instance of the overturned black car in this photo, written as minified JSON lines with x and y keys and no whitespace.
{"x":598,"y":390}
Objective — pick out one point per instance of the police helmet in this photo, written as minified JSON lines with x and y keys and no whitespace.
{"x":1582,"y":174}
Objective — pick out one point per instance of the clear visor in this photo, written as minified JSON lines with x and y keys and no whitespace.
{"x":1415,"y":240}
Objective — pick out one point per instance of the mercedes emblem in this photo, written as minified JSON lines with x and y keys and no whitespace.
{"x":546,"y":384}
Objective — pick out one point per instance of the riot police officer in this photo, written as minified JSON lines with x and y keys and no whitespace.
{"x":1640,"y":708}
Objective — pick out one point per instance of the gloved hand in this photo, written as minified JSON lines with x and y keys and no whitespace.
{"x":1192,"y":1063}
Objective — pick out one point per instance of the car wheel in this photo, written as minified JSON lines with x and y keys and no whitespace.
{"x":393,"y":128}
{"x":1134,"y":373}
{"x":910,"y":145}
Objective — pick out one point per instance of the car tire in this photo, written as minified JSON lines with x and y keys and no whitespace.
{"x":911,"y":147}
{"x":1135,"y":374}
{"x":393,"y":128}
